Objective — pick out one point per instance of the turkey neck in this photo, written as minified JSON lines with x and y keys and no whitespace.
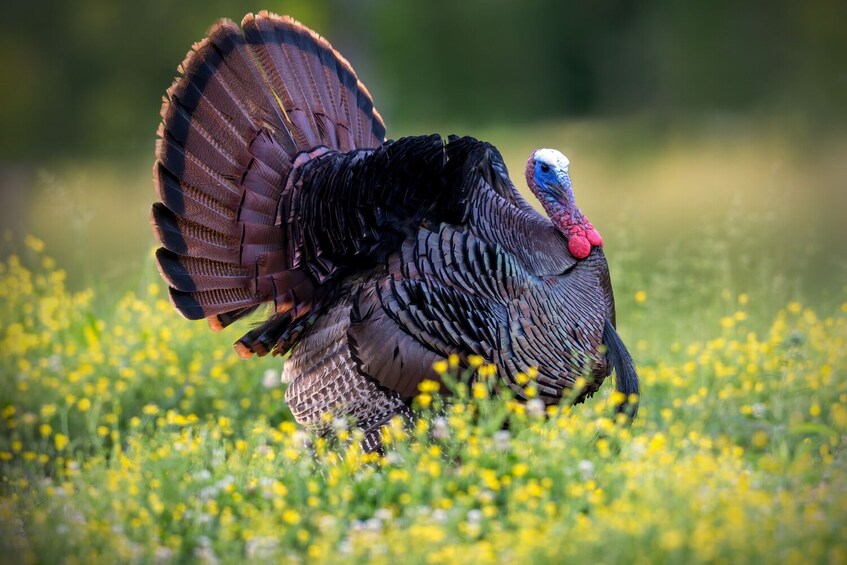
{"x":530,"y":237}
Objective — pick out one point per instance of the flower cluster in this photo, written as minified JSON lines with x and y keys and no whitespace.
{"x":139,"y":437}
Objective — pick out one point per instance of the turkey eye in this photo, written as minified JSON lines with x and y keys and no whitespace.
{"x":545,"y":168}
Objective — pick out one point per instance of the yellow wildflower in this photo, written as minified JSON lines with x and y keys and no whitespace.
{"x":61,"y":441}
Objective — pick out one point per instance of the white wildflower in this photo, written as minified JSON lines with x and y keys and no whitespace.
{"x":440,"y":428}
{"x":535,"y":408}
{"x":271,"y":379}
{"x":502,"y":439}
{"x":586,"y":469}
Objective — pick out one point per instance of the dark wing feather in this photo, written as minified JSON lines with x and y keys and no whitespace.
{"x":343,"y":213}
{"x":494,"y":210}
{"x":449,"y":292}
{"x":485,"y":275}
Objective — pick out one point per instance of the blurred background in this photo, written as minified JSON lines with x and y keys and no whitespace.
{"x":690,"y":126}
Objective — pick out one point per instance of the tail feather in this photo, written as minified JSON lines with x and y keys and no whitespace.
{"x":249,"y":101}
{"x":287,"y":77}
{"x":221,"y":321}
{"x":625,"y":374}
{"x":185,"y":238}
{"x":192,"y":171}
{"x":208,"y":303}
{"x":185,"y":200}
{"x":192,"y":274}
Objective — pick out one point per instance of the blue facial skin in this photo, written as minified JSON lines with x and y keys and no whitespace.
{"x":554,"y":185}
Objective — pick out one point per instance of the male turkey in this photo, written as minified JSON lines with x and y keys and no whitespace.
{"x":378,"y":257}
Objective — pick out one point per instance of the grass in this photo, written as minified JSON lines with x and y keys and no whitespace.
{"x":129,"y":434}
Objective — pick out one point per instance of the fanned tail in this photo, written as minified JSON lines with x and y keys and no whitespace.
{"x":246,"y":105}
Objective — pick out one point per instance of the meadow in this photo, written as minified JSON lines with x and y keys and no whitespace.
{"x":128,"y":434}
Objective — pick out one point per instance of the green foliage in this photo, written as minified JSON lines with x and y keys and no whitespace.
{"x":138,"y":437}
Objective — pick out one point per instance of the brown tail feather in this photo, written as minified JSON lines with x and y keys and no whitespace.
{"x":186,"y":238}
{"x":204,"y":304}
{"x":192,"y":274}
{"x":246,"y":104}
{"x":304,"y":71}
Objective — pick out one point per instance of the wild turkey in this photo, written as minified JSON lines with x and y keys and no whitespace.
{"x":377,"y":257}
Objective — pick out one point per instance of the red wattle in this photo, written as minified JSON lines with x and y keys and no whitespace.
{"x":594,"y":237}
{"x":579,"y":247}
